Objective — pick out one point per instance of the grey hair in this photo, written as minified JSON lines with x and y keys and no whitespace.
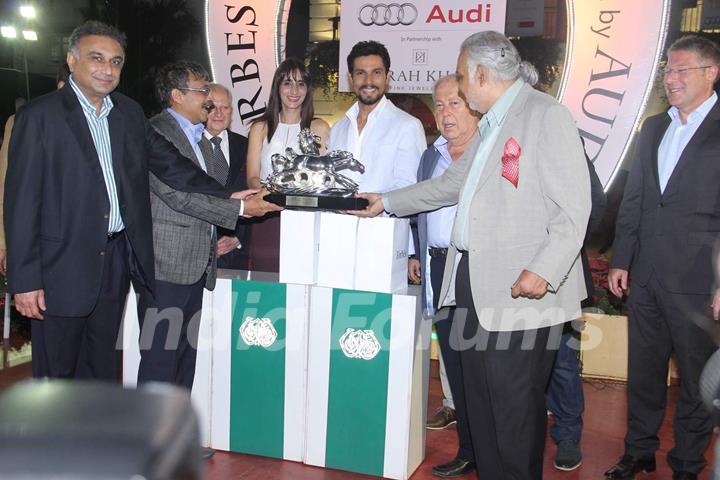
{"x":93,"y":27}
{"x":447,"y":78}
{"x":495,"y":52}
{"x":222,"y":88}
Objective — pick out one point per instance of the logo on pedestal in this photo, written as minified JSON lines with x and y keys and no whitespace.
{"x":360,"y":344}
{"x":258,"y":331}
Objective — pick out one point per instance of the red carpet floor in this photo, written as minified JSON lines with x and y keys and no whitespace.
{"x":602,"y":443}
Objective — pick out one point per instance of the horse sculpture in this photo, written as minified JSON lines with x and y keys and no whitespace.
{"x":309,"y":172}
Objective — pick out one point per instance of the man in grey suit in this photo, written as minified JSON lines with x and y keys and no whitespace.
{"x":523,"y":195}
{"x":184,"y":235}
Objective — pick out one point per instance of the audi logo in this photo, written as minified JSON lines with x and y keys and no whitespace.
{"x":387,"y":14}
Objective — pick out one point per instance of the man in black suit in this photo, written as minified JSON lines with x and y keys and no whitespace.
{"x":668,"y":224}
{"x":77,"y":205}
{"x":232,"y":246}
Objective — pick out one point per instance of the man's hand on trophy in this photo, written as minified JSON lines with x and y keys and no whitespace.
{"x":243,"y":194}
{"x":375,"y":205}
{"x":256,"y":206}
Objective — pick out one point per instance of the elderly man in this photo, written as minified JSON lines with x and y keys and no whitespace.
{"x":523,"y":195}
{"x":458,"y":129}
{"x":667,"y":227}
{"x":230,"y":148}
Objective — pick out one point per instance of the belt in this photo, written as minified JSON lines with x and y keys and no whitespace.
{"x":114,"y":235}
{"x":437,"y":252}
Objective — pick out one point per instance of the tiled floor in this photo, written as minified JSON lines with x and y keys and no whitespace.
{"x":602,"y":443}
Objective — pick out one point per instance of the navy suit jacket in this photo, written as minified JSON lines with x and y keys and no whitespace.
{"x":56,"y":202}
{"x":673,"y":233}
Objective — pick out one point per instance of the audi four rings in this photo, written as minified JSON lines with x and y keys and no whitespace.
{"x":387,"y":14}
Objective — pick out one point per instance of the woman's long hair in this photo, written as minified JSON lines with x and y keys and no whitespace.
{"x":291,"y":68}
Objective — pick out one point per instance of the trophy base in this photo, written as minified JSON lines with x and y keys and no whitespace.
{"x":316,"y":202}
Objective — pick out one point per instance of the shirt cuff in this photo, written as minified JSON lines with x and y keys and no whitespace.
{"x":242,"y":209}
{"x":386,"y":202}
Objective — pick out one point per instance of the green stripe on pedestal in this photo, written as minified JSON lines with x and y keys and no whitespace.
{"x":357,"y":398}
{"x":257,"y":391}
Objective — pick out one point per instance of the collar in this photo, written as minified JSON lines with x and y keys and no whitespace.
{"x":223,"y":135}
{"x":698,"y":114}
{"x":87,"y":106}
{"x":440,"y":142}
{"x":193,"y":130}
{"x":498,"y":112}
{"x":353,"y":111}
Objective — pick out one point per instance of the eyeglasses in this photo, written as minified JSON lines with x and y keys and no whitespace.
{"x":204,"y":90}
{"x":682,"y":70}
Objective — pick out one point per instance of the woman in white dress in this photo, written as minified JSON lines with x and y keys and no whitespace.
{"x":289,"y":109}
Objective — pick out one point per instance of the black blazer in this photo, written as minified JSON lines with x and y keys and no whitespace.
{"x":237,"y":259}
{"x":56,"y":202}
{"x":673,"y":233}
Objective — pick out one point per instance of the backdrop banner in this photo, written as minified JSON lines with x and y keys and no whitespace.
{"x":610,"y":67}
{"x":246,"y":43}
{"x":423,"y":36}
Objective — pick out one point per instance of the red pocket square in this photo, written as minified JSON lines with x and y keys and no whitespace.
{"x":511,"y":161}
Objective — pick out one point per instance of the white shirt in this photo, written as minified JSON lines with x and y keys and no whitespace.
{"x":677,"y":136}
{"x":224,"y":145}
{"x":440,"y":221}
{"x":390,"y":146}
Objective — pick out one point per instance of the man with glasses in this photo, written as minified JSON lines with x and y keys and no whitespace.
{"x":184,"y":233}
{"x":668,"y":224}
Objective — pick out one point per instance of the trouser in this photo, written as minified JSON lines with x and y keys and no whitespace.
{"x":659,"y":323}
{"x":451,"y":360}
{"x":565,"y":397}
{"x":169,"y":327}
{"x":505,"y":376}
{"x":85,"y":347}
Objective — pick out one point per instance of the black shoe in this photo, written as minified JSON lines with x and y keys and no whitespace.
{"x":684,"y":476}
{"x":442,"y":418}
{"x":206,"y":453}
{"x":629,"y":466}
{"x":568,"y":455}
{"x":455,"y":468}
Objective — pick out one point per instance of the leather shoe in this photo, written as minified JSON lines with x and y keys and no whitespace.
{"x":206,"y":453}
{"x":629,"y":466}
{"x":442,"y":418}
{"x":455,"y":468}
{"x":684,"y":476}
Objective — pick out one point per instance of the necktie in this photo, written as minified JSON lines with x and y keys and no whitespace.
{"x":218,"y":166}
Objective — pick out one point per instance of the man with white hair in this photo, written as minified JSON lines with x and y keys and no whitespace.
{"x":512,"y":269}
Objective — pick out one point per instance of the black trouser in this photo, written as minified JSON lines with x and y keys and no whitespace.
{"x":660,"y":323}
{"x":86,"y":347}
{"x":169,"y":326}
{"x":505,"y":375}
{"x":451,"y":359}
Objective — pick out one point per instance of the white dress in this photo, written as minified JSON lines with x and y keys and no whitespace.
{"x":286,"y":135}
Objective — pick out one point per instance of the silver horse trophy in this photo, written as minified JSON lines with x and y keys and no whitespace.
{"x":310,"y":180}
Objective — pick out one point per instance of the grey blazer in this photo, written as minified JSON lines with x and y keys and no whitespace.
{"x":538,"y":226}
{"x":182,"y":221}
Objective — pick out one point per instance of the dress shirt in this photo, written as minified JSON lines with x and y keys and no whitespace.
{"x":100,"y":132}
{"x":224,"y":145}
{"x":193,"y":132}
{"x":440,"y":221}
{"x":677,"y":136}
{"x":489,"y":128}
{"x":389,"y":146}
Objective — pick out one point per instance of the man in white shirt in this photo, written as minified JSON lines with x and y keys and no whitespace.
{"x":388,"y":141}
